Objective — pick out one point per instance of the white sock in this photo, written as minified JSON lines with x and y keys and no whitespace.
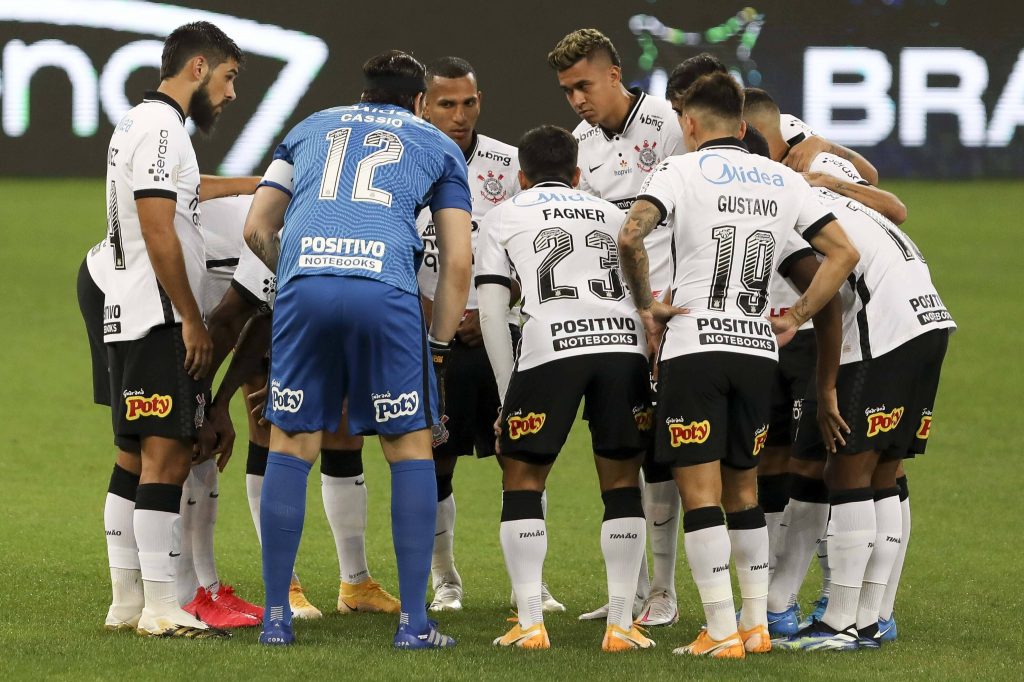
{"x":707,"y":551}
{"x":821,"y":551}
{"x":544,"y":503}
{"x":661,"y":507}
{"x":345,"y":504}
{"x":806,"y":522}
{"x":889,"y":598}
{"x":206,"y":491}
{"x":185,"y":578}
{"x":118,"y":513}
{"x":623,"y":541}
{"x":442,"y":560}
{"x":253,"y":489}
{"x":774,"y":522}
{"x":849,"y":550}
{"x":126,"y":588}
{"x":158,"y":534}
{"x":888,"y":536}
{"x":750,"y":552}
{"x":525,"y":544}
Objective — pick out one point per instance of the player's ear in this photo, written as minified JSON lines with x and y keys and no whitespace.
{"x":479,"y":98}
{"x":198,"y":67}
{"x":524,"y":182}
{"x":615,"y":73}
{"x":417,"y":104}
{"x":576,"y":177}
{"x":743,"y":129}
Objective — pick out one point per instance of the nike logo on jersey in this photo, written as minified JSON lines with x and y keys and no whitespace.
{"x":659,"y":525}
{"x":594,"y":168}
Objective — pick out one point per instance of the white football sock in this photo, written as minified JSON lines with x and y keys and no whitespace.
{"x":206,"y":492}
{"x":750,"y":552}
{"x":345,"y":500}
{"x":442,"y":560}
{"x":661,"y":507}
{"x":849,"y":551}
{"x":525,"y":544}
{"x":253,"y":490}
{"x":707,"y":551}
{"x":806,"y":524}
{"x":118,"y":513}
{"x":158,"y":534}
{"x":889,"y":598}
{"x":774,"y":522}
{"x":185,"y":578}
{"x":888,"y":536}
{"x":821,"y":551}
{"x":623,"y":541}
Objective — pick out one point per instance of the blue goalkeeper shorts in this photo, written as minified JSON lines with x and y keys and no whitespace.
{"x":349,"y":337}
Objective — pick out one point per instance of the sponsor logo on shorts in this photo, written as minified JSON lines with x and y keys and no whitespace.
{"x":760,"y":436}
{"x":681,"y":432}
{"x":519,"y":426}
{"x":200,"y":415}
{"x":753,"y":334}
{"x":925,"y":427}
{"x":644,"y":417}
{"x":140,"y":406}
{"x":285,"y":399}
{"x":386,"y":408}
{"x":881,"y":421}
{"x":798,"y":409}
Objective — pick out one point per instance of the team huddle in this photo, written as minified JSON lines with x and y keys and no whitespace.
{"x":755,"y":342}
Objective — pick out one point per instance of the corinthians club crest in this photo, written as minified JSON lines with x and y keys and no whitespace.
{"x":647,"y":158}
{"x":492,"y":189}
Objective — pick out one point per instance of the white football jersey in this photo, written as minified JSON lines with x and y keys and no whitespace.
{"x":731,"y":214}
{"x":614,"y":165}
{"x":223,"y":224}
{"x":493,"y":177}
{"x":560,"y":244}
{"x":150,"y":155}
{"x":890,"y":297}
{"x":794,"y":131}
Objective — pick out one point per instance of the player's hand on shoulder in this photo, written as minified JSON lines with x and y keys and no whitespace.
{"x":802,"y":154}
{"x":469,"y":332}
{"x":198,"y":347}
{"x":830,"y":421}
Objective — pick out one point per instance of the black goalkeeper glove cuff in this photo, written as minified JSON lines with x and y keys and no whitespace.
{"x":439,"y":353}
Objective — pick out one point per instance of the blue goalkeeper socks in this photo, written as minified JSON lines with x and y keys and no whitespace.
{"x":413,"y":517}
{"x":282,"y":513}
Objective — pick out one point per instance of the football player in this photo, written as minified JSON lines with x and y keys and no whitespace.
{"x":452,"y":103}
{"x":581,"y":340}
{"x":625,"y":134}
{"x":730,"y":213}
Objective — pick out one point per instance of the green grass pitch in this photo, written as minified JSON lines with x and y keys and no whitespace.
{"x":959,"y":611}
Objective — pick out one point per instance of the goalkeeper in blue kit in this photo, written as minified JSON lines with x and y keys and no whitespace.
{"x":346,"y":185}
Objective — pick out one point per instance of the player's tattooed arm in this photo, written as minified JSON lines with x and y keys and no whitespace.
{"x":642,"y":219}
{"x":801,"y":155}
{"x":886,"y":203}
{"x":265,"y":220}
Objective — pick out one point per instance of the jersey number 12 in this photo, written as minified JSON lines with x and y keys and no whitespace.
{"x":391,"y":150}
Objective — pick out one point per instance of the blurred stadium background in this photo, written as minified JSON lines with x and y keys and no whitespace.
{"x":931,"y":91}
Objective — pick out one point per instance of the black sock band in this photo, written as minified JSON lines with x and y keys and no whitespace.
{"x":851,"y":495}
{"x":444,"y":487}
{"x":622,"y":503}
{"x":521,"y":504}
{"x":904,"y":488}
{"x":165,"y":497}
{"x":773,"y":492}
{"x":883,"y":493}
{"x":341,"y":463}
{"x":256,"y":462}
{"x":701,"y":518}
{"x":806,"y":489}
{"x":123,"y":483}
{"x":748,"y":519}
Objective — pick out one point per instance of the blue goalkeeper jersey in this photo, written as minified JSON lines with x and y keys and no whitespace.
{"x":359,"y":176}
